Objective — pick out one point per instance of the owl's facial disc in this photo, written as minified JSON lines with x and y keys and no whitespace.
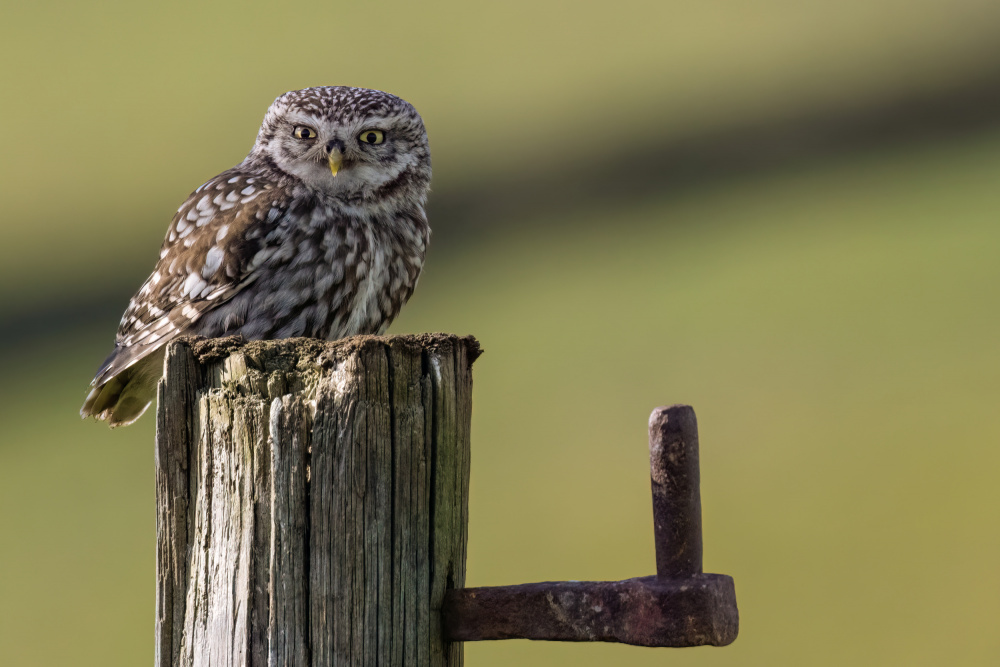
{"x":343,"y":158}
{"x":348,"y":143}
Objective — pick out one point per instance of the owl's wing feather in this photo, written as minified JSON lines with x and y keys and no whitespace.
{"x":215,"y":241}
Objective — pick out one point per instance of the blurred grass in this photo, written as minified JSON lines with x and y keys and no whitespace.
{"x":836,"y":329}
{"x":116,"y":111}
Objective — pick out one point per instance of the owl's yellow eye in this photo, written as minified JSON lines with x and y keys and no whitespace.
{"x":372,"y":136}
{"x":304,"y":132}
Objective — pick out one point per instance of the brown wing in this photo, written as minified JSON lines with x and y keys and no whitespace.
{"x":215,"y":241}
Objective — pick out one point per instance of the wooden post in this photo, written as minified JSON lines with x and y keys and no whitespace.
{"x":312,"y":500}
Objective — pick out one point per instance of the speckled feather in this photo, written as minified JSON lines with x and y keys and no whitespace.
{"x":276,"y":247}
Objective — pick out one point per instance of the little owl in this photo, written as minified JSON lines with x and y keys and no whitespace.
{"x":319,"y":232}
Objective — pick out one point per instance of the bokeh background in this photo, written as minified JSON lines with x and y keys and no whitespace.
{"x":784,"y":213}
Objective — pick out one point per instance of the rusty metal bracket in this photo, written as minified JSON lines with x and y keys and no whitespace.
{"x":679,"y":606}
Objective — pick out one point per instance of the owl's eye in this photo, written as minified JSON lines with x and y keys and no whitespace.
{"x":372,"y":136}
{"x":304,"y":132}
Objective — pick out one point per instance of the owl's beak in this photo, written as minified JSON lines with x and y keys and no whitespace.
{"x":336,"y":159}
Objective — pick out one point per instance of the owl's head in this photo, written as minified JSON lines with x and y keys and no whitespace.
{"x":352,"y":143}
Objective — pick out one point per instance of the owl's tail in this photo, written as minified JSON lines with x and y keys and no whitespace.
{"x":122,"y":398}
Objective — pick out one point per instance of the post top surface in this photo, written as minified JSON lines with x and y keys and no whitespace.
{"x":209,"y":350}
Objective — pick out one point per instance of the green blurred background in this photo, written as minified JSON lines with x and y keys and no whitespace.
{"x":783,"y":213}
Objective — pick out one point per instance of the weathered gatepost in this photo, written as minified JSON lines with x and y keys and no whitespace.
{"x":312,"y":510}
{"x":312,"y":500}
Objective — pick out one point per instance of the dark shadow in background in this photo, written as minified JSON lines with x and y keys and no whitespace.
{"x":696,"y":162}
{"x":670,"y":166}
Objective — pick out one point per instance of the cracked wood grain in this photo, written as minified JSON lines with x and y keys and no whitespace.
{"x":312,"y":500}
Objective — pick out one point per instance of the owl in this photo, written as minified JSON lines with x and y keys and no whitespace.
{"x":319,"y":232}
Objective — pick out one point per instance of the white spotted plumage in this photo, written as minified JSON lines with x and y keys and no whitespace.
{"x":323,"y":238}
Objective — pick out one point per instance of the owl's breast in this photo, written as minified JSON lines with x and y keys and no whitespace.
{"x":322,"y":274}
{"x":372,"y":271}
